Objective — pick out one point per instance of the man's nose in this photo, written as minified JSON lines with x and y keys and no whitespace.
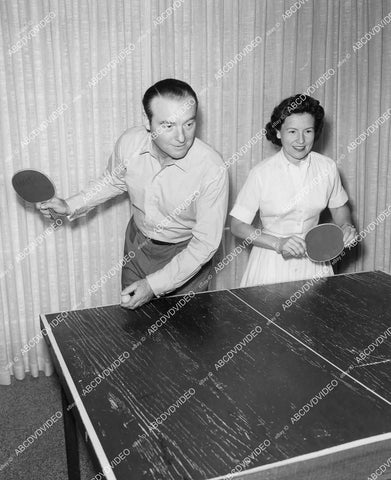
{"x":180,"y":135}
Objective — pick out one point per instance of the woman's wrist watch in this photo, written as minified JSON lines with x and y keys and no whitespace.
{"x":348,"y":225}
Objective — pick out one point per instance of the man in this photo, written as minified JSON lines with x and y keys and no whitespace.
{"x":178,"y":187}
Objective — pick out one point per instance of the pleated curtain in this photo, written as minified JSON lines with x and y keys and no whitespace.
{"x":72,"y":75}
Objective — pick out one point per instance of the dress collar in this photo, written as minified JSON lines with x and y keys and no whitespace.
{"x":303,"y":163}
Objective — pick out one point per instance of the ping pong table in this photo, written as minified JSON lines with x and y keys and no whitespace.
{"x":285,"y":381}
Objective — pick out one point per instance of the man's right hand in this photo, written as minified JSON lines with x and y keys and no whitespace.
{"x":58,"y":205}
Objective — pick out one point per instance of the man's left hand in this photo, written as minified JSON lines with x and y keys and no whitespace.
{"x":349,"y":234}
{"x":140,"y":292}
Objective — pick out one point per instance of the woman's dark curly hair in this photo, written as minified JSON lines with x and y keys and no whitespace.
{"x":296,"y":104}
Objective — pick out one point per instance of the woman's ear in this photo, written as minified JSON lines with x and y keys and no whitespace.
{"x":278,"y":134}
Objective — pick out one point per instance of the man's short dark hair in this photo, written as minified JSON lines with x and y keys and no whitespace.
{"x":299,"y":103}
{"x":169,"y":87}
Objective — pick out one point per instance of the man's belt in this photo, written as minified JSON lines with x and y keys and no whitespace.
{"x":158,"y":242}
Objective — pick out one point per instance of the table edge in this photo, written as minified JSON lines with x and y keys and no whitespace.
{"x":95,"y":442}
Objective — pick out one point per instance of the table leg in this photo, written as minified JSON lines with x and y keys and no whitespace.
{"x":71,"y":445}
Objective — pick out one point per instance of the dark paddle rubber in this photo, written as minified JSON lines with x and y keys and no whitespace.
{"x":324,"y":242}
{"x":33,"y":186}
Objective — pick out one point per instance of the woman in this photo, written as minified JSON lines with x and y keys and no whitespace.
{"x":290,"y":189}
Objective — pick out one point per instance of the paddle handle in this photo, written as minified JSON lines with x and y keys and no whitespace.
{"x":53,"y":214}
{"x":287,"y":255}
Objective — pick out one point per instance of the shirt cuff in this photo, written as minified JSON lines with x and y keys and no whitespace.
{"x":77,"y":207}
{"x":242,"y":214}
{"x":159,"y":287}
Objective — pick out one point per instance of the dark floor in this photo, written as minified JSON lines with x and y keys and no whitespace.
{"x":24,"y":407}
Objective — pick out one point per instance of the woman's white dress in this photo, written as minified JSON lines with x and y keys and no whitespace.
{"x":290,"y":199}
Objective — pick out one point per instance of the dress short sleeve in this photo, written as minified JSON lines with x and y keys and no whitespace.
{"x":338,"y":196}
{"x":248,"y":201}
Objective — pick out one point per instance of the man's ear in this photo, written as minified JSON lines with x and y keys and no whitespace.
{"x":146,"y":122}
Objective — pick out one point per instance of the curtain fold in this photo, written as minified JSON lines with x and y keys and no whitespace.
{"x":74,"y":83}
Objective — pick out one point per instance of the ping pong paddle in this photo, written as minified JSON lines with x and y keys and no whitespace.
{"x":34,"y":187}
{"x":324,"y":242}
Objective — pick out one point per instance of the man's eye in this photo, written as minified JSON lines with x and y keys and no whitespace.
{"x":167,"y":127}
{"x":190,"y":124}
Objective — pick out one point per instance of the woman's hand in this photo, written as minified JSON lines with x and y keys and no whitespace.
{"x":349,"y":234}
{"x":341,"y":216}
{"x":293,"y":246}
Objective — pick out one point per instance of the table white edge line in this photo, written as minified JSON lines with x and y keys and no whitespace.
{"x":100,"y":453}
{"x":309,"y":456}
{"x":311,"y":349}
{"x":282,"y":283}
{"x":354,"y":273}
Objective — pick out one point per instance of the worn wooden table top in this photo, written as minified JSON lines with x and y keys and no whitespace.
{"x":282,"y":381}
